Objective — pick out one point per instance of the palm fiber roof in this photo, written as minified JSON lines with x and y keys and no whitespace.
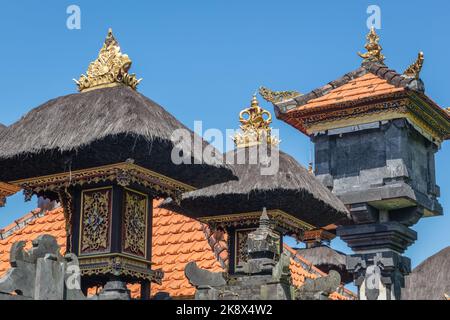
{"x":95,"y":128}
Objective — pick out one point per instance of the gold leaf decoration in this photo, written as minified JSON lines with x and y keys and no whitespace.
{"x":413,"y":71}
{"x":135,"y":223}
{"x":255,"y":126}
{"x":373,"y":48}
{"x":96,"y":218}
{"x":277,"y":96}
{"x":109,"y":69}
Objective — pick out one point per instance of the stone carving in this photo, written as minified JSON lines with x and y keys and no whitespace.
{"x":379,"y":276}
{"x":263,"y":246}
{"x":199,"y":277}
{"x":264,"y":276}
{"x":320,"y":288}
{"x":281,"y":271}
{"x":41,"y":273}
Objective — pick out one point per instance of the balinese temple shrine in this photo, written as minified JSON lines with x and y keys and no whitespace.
{"x":113,"y":205}
{"x":105,"y":154}
{"x":289,"y":201}
{"x":375,"y":135}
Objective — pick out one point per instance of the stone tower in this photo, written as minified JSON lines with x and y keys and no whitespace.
{"x":375,"y":134}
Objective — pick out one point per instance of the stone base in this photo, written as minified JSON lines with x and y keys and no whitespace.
{"x":377,"y":237}
{"x":247,"y":288}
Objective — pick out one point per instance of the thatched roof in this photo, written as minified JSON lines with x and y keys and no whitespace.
{"x":2,"y":127}
{"x":94,"y":128}
{"x":326,"y":259}
{"x":292,"y":189}
{"x":430,"y":280}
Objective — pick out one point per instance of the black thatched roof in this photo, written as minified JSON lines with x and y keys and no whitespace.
{"x":326,"y":259}
{"x":94,"y":128}
{"x":430,"y":280}
{"x":292,"y":189}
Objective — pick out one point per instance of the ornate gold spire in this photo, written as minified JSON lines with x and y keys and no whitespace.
{"x":373,"y":48}
{"x":413,"y":71}
{"x":255,"y":126}
{"x":277,"y":96}
{"x":109,"y":69}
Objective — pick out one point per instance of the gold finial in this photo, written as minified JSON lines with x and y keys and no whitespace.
{"x":277,"y":96}
{"x":413,"y":71}
{"x":373,"y":48}
{"x":255,"y":126}
{"x":109,"y":69}
{"x":310,"y":167}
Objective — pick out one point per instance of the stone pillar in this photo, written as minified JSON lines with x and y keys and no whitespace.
{"x":378,"y":267}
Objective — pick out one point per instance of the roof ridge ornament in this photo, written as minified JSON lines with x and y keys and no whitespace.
{"x":255,"y":126}
{"x":109,"y":69}
{"x":277,"y":96}
{"x":373,"y":48}
{"x":413,"y":71}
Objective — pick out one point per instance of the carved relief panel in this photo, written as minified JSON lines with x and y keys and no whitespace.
{"x":134,"y":226}
{"x":95,"y":221}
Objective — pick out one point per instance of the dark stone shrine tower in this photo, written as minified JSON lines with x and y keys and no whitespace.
{"x":375,"y":134}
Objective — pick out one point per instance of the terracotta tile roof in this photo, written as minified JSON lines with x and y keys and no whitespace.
{"x":177,"y":240}
{"x":302,"y":269}
{"x":368,"y":85}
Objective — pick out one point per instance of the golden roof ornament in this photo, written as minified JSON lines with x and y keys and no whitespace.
{"x":373,"y":48}
{"x":413,"y":71}
{"x":255,"y":126}
{"x":277,"y":96}
{"x":109,"y":69}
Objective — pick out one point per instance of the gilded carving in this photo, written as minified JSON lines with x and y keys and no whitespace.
{"x":255,"y":126}
{"x":123,"y":173}
{"x":120,"y":265}
{"x":277,"y":96}
{"x":109,"y":69}
{"x":135,"y":223}
{"x":7,"y":190}
{"x":241,"y":254}
{"x":95,"y":220}
{"x":373,"y":48}
{"x":294,"y":226}
{"x":413,"y":71}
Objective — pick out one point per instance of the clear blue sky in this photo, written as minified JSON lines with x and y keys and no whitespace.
{"x":203,"y":59}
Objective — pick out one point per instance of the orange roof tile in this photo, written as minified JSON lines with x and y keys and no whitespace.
{"x":177,"y":240}
{"x":368,"y":85}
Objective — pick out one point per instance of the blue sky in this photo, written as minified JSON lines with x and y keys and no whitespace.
{"x":203,"y":59}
